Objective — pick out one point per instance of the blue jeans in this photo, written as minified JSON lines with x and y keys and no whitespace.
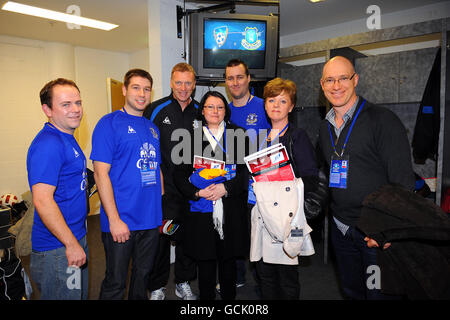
{"x":355,"y":261}
{"x":49,"y":270}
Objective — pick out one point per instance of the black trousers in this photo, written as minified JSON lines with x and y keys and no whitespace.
{"x":207,"y":270}
{"x":141,"y":249}
{"x":185,"y":268}
{"x":278,"y":281}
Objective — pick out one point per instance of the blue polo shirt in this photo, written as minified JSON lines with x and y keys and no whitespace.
{"x":56,"y":159}
{"x":128,"y":143}
{"x":250,"y":116}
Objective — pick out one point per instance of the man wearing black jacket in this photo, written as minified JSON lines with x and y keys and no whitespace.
{"x":176,"y":111}
{"x":365,"y":147}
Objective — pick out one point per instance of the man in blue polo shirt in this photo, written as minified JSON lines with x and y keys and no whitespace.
{"x":126,"y":156}
{"x":247,"y":111}
{"x":57,"y":177}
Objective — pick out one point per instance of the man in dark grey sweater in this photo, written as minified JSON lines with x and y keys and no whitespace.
{"x":365,"y":147}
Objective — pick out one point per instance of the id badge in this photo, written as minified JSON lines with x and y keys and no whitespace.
{"x":339,"y":172}
{"x":231,"y":171}
{"x":251,"y":194}
{"x":296,"y":235}
{"x":148,"y":172}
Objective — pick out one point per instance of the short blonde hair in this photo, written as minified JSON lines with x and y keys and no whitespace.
{"x":278,"y":85}
{"x":182,"y":67}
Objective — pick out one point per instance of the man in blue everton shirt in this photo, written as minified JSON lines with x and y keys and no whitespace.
{"x":247,"y":111}
{"x":126,"y":156}
{"x":57,"y":177}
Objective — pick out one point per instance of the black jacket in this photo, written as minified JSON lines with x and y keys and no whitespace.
{"x":426,"y":131}
{"x":167,"y":115}
{"x":379,"y":154}
{"x":201,"y":241}
{"x":417,"y":264}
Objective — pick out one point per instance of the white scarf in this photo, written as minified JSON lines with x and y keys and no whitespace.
{"x":218,"y":204}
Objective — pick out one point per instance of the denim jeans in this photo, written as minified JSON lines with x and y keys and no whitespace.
{"x":141,"y":249}
{"x":49,"y":270}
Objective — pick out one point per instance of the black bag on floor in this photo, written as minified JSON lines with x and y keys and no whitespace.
{"x":12,"y":286}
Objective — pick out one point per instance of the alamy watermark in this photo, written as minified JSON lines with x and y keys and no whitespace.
{"x":74,"y":280}
{"x":234,"y":143}
{"x":374,"y":279}
{"x":373,"y":22}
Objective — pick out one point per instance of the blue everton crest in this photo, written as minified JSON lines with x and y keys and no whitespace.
{"x":252,"y":118}
{"x":220,"y":35}
{"x":251,"y":40}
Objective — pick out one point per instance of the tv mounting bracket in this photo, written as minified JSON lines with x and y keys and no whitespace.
{"x":222,"y":6}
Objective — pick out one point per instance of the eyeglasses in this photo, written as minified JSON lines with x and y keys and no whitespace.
{"x":344,"y":80}
{"x":218,"y":108}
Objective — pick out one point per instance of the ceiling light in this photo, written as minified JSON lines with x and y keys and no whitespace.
{"x":314,"y":1}
{"x":59,"y":16}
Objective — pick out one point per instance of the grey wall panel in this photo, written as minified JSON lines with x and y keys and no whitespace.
{"x":378,"y":78}
{"x":415,"y":67}
{"x":309,"y":119}
{"x":307,"y":79}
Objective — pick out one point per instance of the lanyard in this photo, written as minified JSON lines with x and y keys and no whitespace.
{"x":224,"y":138}
{"x":348,"y":134}
{"x":249,"y":98}
{"x":270,"y":142}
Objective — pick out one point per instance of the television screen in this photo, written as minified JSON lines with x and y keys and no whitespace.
{"x":226,"y":39}
{"x":216,"y":38}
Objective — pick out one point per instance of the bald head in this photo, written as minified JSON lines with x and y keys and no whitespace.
{"x":339,"y":61}
{"x":339,"y":81}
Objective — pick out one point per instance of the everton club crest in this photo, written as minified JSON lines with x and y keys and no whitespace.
{"x":252,"y":118}
{"x":251,"y":41}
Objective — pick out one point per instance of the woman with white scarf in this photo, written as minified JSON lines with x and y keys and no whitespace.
{"x":216,"y":227}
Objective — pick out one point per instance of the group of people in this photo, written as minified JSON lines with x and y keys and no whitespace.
{"x":152,"y":195}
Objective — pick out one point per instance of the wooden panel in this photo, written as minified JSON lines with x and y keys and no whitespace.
{"x":116,"y":99}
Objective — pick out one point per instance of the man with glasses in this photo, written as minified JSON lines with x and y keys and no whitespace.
{"x":365,"y":146}
{"x":176,"y":111}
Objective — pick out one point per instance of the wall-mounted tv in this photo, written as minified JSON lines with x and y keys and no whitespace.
{"x":217,"y":38}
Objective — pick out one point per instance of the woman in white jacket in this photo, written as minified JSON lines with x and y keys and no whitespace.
{"x":279,"y":229}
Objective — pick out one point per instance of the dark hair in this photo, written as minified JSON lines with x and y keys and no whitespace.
{"x":216,"y":94}
{"x":237,"y":62}
{"x":136,"y":73}
{"x":46,"y":93}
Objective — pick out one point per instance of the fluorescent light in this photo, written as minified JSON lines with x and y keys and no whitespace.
{"x":314,"y":1}
{"x":59,"y":16}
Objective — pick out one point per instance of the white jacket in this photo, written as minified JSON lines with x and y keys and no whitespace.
{"x":279,"y":230}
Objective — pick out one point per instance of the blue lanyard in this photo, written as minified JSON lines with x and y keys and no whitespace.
{"x":224,"y":138}
{"x":348,"y":134}
{"x":270,"y":142}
